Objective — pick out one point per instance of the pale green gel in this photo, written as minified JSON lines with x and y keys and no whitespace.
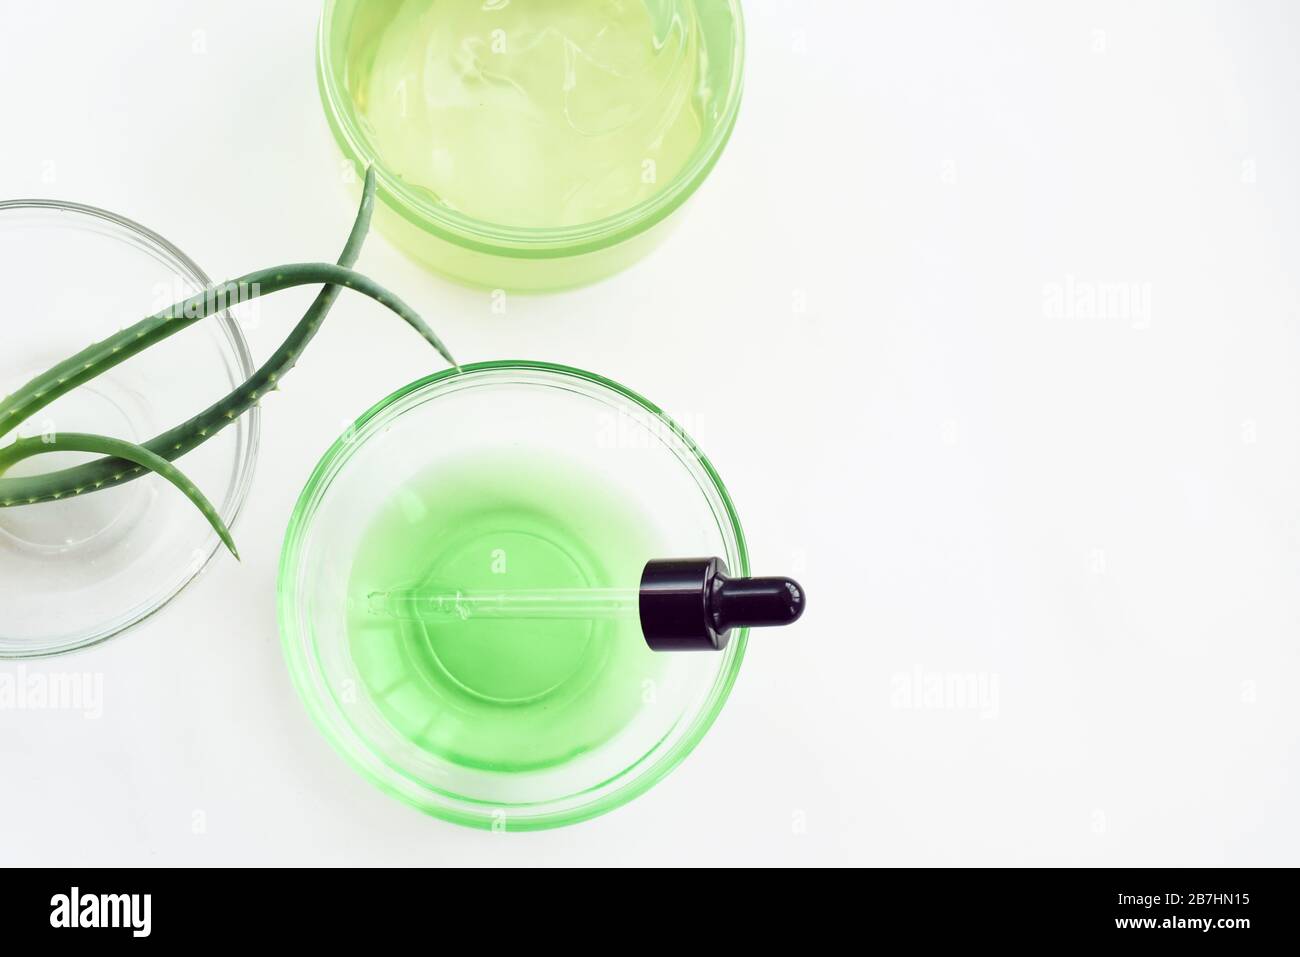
{"x":531,"y":114}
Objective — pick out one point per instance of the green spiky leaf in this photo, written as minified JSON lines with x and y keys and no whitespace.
{"x":103,"y":445}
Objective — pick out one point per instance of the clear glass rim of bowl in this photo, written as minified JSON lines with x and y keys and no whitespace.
{"x":246,"y":462}
{"x":299,"y":645}
{"x":524,"y":242}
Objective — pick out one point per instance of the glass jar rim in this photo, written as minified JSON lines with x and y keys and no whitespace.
{"x":309,"y":680}
{"x":515,"y":241}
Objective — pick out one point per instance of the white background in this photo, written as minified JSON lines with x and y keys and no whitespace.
{"x":1093,"y":513}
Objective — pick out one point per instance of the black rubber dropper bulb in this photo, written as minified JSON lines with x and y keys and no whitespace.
{"x":692,"y":604}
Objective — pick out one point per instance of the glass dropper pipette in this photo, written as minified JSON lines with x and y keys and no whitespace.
{"x":683,"y":604}
{"x":435,"y":603}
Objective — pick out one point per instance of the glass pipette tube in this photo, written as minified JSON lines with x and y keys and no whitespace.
{"x":433,"y":604}
{"x":684,"y":604}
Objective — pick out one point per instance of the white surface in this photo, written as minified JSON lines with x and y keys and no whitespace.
{"x":1095,"y":515}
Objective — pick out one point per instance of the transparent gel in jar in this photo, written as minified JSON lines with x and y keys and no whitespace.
{"x":531,"y":146}
{"x":535,"y":115}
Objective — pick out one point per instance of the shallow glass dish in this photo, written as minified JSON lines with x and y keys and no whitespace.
{"x":521,"y":726}
{"x":76,"y":572}
{"x":531,"y":147}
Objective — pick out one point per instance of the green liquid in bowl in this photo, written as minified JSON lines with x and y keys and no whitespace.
{"x":493,"y":694}
{"x":533,"y":115}
{"x":497,"y":477}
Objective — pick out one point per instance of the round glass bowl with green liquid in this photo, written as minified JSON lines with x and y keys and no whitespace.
{"x":504,"y":476}
{"x":531,"y":146}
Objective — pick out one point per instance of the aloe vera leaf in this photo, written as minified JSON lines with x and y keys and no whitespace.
{"x":103,"y":445}
{"x":96,"y":359}
{"x":184,"y":438}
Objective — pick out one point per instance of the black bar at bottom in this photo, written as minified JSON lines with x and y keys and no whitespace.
{"x":927,"y":907}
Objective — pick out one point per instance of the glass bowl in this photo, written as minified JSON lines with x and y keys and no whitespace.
{"x":502,"y":78}
{"x":77,"y":572}
{"x":543,"y":474}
